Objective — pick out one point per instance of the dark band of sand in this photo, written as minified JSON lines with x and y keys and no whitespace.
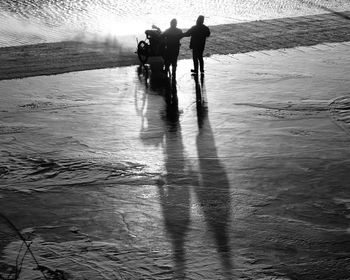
{"x":61,"y":57}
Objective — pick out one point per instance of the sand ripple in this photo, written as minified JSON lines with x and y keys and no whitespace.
{"x":26,"y":173}
{"x":340,"y":112}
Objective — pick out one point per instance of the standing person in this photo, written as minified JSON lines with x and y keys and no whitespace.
{"x":172,"y":38}
{"x":199,"y":34}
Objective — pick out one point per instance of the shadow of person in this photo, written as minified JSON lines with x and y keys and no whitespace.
{"x":174,"y":186}
{"x":213,"y":191}
{"x":174,"y":189}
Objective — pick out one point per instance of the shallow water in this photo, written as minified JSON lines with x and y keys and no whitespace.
{"x":29,"y":21}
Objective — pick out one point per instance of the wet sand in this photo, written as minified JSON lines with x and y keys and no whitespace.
{"x":61,"y":57}
{"x":246,"y":177}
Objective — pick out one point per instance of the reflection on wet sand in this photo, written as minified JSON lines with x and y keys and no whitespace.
{"x":174,"y":193}
{"x":212,"y":188}
{"x":213,"y":191}
{"x":147,"y":104}
{"x":174,"y":186}
{"x":201,"y":102}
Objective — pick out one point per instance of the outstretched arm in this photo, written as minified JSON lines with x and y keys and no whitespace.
{"x":156,"y":28}
{"x":187,"y":33}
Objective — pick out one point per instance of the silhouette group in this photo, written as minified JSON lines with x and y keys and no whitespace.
{"x":172,"y":36}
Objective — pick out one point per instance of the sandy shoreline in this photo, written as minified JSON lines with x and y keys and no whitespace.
{"x":62,"y":57}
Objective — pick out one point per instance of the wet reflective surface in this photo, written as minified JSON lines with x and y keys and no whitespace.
{"x":240,"y":174}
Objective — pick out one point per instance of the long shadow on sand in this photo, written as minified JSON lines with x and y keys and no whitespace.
{"x":174,"y":193}
{"x":174,"y":186}
{"x":213,"y":192}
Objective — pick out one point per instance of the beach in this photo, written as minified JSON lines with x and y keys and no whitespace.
{"x":111,"y":172}
{"x":68,"y":56}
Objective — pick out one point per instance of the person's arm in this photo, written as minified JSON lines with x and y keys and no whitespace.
{"x":156,"y":28}
{"x":208,"y":32}
{"x":187,"y":33}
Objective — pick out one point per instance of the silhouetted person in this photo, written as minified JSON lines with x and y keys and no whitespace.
{"x":172,"y":38}
{"x":199,"y":34}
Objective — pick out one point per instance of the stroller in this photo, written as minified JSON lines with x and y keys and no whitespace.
{"x":153,"y":45}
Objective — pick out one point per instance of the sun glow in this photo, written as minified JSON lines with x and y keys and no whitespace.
{"x":120,"y":27}
{"x":111,"y":24}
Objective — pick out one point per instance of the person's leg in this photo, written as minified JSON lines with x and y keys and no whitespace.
{"x":174,"y":67}
{"x":174,"y":57}
{"x":201,"y":61}
{"x":167,"y":62}
{"x":167,"y":65}
{"x":195,"y":60}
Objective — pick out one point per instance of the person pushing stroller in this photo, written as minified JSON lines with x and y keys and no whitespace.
{"x":172,"y":37}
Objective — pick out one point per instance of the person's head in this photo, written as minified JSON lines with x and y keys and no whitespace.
{"x":200,"y":20}
{"x":173,"y":22}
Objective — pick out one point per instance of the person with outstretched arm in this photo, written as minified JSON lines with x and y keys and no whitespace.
{"x":199,"y":34}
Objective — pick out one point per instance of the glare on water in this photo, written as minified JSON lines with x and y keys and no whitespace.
{"x":31,"y":21}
